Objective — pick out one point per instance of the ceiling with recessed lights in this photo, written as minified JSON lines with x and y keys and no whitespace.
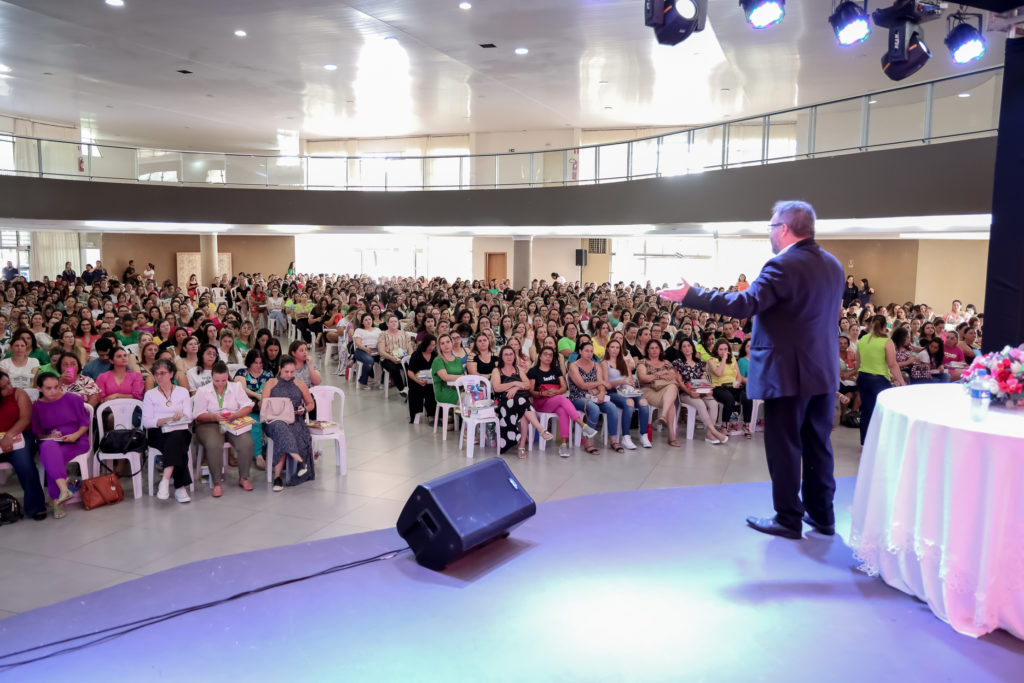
{"x":259,"y":71}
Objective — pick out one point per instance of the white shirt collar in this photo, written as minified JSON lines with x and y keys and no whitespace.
{"x":785,"y":248}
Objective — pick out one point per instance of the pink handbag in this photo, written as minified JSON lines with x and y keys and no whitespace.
{"x":277,"y":409}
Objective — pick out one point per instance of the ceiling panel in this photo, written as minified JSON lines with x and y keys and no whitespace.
{"x":591,"y":64}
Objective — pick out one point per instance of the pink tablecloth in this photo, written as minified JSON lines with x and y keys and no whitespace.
{"x":938,"y":511}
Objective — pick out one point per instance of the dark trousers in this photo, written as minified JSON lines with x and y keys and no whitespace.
{"x":173,"y":447}
{"x":303,"y":326}
{"x":395,"y":370}
{"x":797,"y":430}
{"x":869,"y":386}
{"x":28,"y":476}
{"x":729,"y":396}
{"x":420,"y":397}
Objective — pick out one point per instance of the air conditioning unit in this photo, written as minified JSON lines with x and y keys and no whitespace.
{"x":597,"y":246}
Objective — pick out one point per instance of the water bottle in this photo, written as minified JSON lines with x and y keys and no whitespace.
{"x":981,"y":395}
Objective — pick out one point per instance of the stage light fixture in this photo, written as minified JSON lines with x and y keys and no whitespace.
{"x":964,"y":41}
{"x":763,"y":13}
{"x":850,"y":22}
{"x":907,"y":51}
{"x":675,"y":20}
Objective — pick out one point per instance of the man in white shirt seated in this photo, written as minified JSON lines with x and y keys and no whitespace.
{"x":223,"y":400}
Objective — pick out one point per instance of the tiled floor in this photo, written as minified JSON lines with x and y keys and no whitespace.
{"x":45,"y":562}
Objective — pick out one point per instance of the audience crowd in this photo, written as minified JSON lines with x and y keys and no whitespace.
{"x":556,"y":356}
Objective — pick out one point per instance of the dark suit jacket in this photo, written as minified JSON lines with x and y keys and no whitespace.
{"x":794,"y":344}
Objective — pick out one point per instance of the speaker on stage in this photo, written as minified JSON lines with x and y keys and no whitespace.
{"x":581,"y":257}
{"x":449,"y":516}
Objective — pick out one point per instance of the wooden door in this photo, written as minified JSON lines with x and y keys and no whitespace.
{"x":495,"y":266}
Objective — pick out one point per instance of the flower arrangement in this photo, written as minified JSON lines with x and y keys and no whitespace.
{"x":1006,"y":368}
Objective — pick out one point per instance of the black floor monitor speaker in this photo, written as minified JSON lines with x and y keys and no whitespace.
{"x":447,"y":517}
{"x":581,"y":257}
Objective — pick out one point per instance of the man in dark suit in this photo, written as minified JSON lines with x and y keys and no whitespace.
{"x":795,"y":304}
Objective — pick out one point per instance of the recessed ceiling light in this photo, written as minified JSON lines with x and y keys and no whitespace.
{"x":331,"y":67}
{"x":4,"y":69}
{"x":872,"y":101}
{"x":240,"y":33}
{"x":465,"y":5}
{"x":391,"y":39}
{"x":487,"y":45}
{"x":184,"y":72}
{"x":602,"y":82}
{"x":115,"y":3}
{"x":964,"y":94}
{"x":607,"y":107}
{"x":522,"y":51}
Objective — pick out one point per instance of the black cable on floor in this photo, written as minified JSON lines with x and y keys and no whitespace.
{"x":129,"y":627}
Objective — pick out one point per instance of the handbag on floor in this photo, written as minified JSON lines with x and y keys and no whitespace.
{"x":102,"y":490}
{"x":10,"y":509}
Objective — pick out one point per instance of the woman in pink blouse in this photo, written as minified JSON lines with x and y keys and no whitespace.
{"x":119,"y":381}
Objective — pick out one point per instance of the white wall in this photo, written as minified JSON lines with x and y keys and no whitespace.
{"x":555,"y":255}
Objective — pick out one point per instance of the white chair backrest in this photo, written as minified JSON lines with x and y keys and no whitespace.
{"x":327,"y":399}
{"x":463,"y":383}
{"x":92,"y":414}
{"x":121,"y":409}
{"x":233,"y":368}
{"x":33,"y":394}
{"x":132,"y":349}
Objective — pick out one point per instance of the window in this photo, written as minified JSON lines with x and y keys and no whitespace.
{"x":14,"y":248}
{"x":6,"y":155}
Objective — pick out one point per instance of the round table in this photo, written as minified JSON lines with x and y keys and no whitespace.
{"x":938,"y":511}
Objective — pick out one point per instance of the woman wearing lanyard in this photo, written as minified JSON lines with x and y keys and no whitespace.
{"x":166,"y":413}
{"x":223,"y":400}
{"x":878,"y":370}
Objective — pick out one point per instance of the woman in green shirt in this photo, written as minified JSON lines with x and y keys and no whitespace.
{"x":445,"y":368}
{"x":878,"y":369}
{"x":567,"y":344}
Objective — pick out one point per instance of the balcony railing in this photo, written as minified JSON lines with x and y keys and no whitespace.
{"x":956,"y":107}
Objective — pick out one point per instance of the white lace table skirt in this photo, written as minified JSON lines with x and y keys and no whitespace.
{"x":938,"y":511}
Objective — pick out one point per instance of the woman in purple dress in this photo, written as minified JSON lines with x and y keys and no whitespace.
{"x":60,"y":423}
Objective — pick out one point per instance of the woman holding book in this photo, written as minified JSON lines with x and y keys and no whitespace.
{"x":166,"y":413}
{"x":60,"y":423}
{"x":217,"y":407}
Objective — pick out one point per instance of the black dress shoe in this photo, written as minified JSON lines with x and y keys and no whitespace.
{"x":825,"y":529}
{"x":769,"y":525}
{"x":39,"y":516}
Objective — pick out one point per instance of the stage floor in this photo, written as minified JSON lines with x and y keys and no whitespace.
{"x":634,"y":586}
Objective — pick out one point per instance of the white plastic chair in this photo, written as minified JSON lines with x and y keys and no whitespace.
{"x":122,"y":411}
{"x":691,"y":417}
{"x":234,"y":368}
{"x":327,"y":397}
{"x":375,"y":375}
{"x":470,"y":423}
{"x":755,"y":408}
{"x":33,"y":395}
{"x":545,"y":422}
{"x":289,"y":465}
{"x":218,"y":295}
{"x":577,"y":431}
{"x":196,"y":453}
{"x":443,"y":410}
